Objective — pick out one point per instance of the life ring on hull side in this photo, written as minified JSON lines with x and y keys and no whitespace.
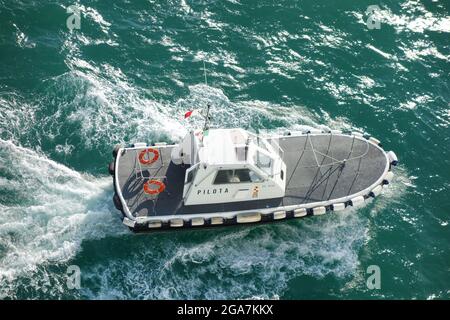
{"x":145,"y":152}
{"x":148,"y":187}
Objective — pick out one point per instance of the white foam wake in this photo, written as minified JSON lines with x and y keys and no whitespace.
{"x":46,"y":211}
{"x":245,"y":262}
{"x":235,"y":263}
{"x":94,"y":107}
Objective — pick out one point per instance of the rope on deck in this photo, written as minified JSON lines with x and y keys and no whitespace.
{"x":334,"y":160}
{"x":324,"y":176}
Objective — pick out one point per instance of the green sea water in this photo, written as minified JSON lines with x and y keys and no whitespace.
{"x":130,"y":72}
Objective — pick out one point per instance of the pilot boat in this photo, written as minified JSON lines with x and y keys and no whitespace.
{"x":222,"y":177}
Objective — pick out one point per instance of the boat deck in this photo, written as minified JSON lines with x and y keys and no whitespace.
{"x":310,"y":177}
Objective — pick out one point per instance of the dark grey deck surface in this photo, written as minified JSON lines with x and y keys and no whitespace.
{"x":306,"y":182}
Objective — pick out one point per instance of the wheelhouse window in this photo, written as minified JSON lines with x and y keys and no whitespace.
{"x":264,"y":162}
{"x":191,"y":175}
{"x":236,"y":176}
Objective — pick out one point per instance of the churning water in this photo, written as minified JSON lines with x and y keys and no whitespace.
{"x":130,"y":72}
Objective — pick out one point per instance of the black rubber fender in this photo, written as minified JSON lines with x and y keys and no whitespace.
{"x":117,"y":202}
{"x":116,"y":150}
{"x":111,"y":167}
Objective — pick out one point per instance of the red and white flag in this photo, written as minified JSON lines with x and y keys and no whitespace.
{"x":190,"y":113}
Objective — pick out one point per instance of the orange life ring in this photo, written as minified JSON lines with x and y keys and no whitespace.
{"x":147,"y":151}
{"x":148,"y":184}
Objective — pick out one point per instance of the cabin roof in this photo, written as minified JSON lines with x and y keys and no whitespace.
{"x":225,"y":146}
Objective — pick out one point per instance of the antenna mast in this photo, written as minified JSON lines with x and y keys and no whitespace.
{"x":208,"y":106}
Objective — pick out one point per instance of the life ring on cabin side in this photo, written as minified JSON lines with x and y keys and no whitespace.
{"x":142,"y":154}
{"x":149,"y":190}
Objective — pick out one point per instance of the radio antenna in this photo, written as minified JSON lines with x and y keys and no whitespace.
{"x":208,"y":106}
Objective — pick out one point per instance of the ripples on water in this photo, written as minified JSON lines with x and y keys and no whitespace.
{"x":130,"y":74}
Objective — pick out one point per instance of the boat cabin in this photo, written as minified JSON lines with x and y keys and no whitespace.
{"x":230,"y":165}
